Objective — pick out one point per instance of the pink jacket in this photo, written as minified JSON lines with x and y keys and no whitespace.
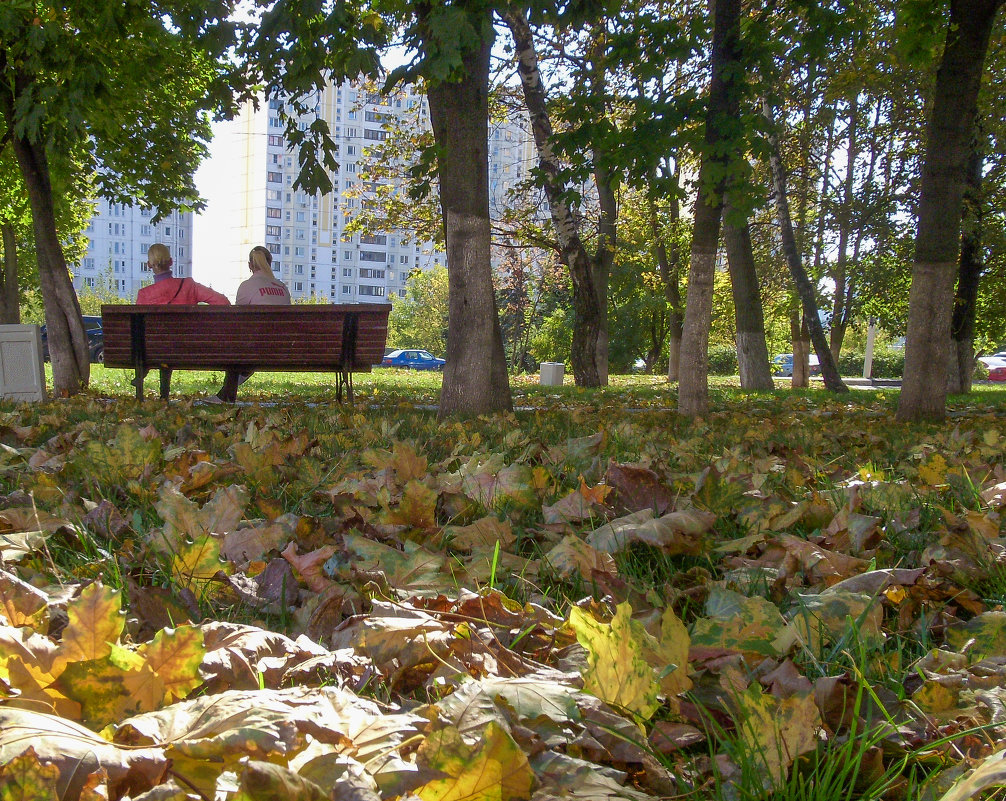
{"x":179,"y":292}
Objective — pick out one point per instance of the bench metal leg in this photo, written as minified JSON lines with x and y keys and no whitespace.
{"x":165,"y":382}
{"x":344,"y":380}
{"x":138,"y":382}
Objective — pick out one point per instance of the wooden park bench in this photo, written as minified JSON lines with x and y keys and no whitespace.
{"x":342,"y":339}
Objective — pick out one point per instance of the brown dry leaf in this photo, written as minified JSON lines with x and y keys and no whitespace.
{"x":253,"y":542}
{"x":573,"y":556}
{"x":21,"y":603}
{"x":239,"y":657}
{"x":485,"y":532}
{"x":185,"y":520}
{"x":680,"y":532}
{"x":309,"y":565}
{"x":582,"y":504}
{"x":78,"y":752}
{"x":636,"y":488}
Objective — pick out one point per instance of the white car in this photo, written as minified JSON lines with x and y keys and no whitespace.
{"x":995,"y":360}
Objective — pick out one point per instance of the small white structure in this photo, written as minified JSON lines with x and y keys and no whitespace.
{"x":22,"y":373}
{"x":551,"y":374}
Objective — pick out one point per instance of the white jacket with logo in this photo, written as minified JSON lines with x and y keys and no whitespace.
{"x":261,"y":291}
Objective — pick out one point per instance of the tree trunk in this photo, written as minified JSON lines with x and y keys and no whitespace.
{"x":64,"y":326}
{"x":801,"y":350}
{"x":721,"y":117}
{"x":475,"y":376}
{"x":669,"y":263}
{"x":10,"y":305}
{"x":752,"y":352}
{"x":840,"y":274}
{"x":804,"y":287}
{"x":961,"y":364}
{"x":589,"y":315}
{"x":937,"y":242}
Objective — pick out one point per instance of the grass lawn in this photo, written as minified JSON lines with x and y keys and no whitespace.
{"x":794,"y":597}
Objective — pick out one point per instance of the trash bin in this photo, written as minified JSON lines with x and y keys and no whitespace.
{"x":551,"y":374}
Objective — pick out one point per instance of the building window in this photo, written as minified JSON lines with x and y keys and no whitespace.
{"x":299,"y":269}
{"x":274,"y":177}
{"x":372,"y":291}
{"x":347,"y":272}
{"x":347,"y":255}
{"x":350,"y":150}
{"x":372,"y":255}
{"x":274,"y":248}
{"x":369,"y":272}
{"x":347,"y":290}
{"x":377,"y":239}
{"x":351,"y":133}
{"x":374,"y":135}
{"x":273,"y":194}
{"x":89,"y":281}
{"x":273,"y":230}
{"x":298,"y":286}
{"x":299,"y":251}
{"x":273,"y":214}
{"x":401,"y":293}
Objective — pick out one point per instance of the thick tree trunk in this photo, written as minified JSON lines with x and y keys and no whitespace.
{"x":804,"y":287}
{"x":475,"y":376}
{"x":937,"y":242}
{"x":10,"y":306}
{"x":961,"y":363}
{"x":64,"y":326}
{"x":589,"y":297}
{"x":721,"y":117}
{"x":752,"y":352}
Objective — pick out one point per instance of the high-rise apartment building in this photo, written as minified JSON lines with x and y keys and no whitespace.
{"x":118,"y":239}
{"x":306,"y":233}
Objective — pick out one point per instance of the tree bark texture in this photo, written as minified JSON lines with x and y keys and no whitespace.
{"x":10,"y":306}
{"x":937,"y":241}
{"x":68,"y":352}
{"x":804,"y":287}
{"x":590,"y":328}
{"x":961,"y":362}
{"x":801,"y":350}
{"x":840,"y":273}
{"x":721,"y":115}
{"x":669,"y":262}
{"x":475,"y":375}
{"x":752,"y":352}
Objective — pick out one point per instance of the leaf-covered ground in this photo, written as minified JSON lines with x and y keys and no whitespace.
{"x":593,"y":598}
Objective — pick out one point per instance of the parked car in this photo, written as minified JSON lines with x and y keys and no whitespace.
{"x":998,"y":372}
{"x":782,"y":365}
{"x":95,"y":339}
{"x":412,"y":360}
{"x":993,"y":361}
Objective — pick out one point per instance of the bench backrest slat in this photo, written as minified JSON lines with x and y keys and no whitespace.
{"x":308,"y":337}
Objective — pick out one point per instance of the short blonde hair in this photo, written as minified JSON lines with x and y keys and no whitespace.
{"x":261,"y":261}
{"x":159,"y":258}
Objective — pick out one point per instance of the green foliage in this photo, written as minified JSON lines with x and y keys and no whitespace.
{"x":103,"y":292}
{"x":723,"y":360}
{"x":886,"y":363}
{"x":552,"y":342}
{"x":419,"y":320}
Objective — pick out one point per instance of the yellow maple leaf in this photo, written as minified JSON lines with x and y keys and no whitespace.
{"x":95,"y":624}
{"x":617,"y":670}
{"x":25,"y":778}
{"x":934,"y":470}
{"x":198,"y":561}
{"x":776,"y":731}
{"x":494,"y":769}
{"x":175,"y":656}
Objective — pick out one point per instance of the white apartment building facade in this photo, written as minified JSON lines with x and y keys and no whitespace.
{"x":118,"y":239}
{"x":306,"y":233}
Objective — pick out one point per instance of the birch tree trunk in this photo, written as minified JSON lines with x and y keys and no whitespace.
{"x":589,"y":277}
{"x":805,"y":288}
{"x":721,"y":114}
{"x":752,"y":352}
{"x":937,"y":242}
{"x":475,"y":375}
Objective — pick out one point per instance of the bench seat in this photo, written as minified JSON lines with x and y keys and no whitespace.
{"x":343,"y":339}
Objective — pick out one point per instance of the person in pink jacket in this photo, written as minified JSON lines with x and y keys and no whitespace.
{"x":261,"y":289}
{"x":167,"y":289}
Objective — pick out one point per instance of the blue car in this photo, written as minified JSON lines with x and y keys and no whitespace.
{"x":412,"y":360}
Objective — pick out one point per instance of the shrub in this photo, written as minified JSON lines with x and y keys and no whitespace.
{"x":723,"y":361}
{"x":886,"y":363}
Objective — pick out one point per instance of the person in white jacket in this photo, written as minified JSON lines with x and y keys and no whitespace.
{"x":262,"y":289}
